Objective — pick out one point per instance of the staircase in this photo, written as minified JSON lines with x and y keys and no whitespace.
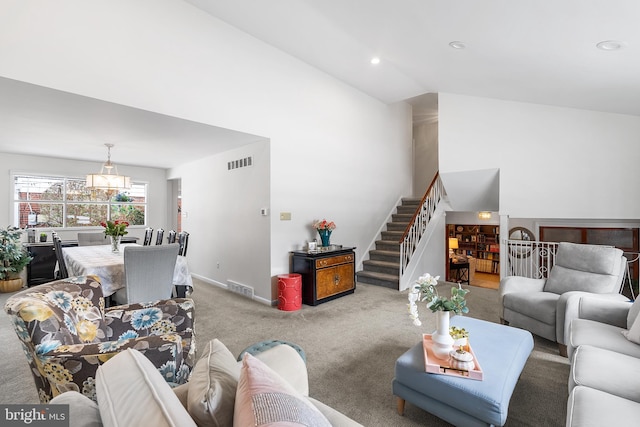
{"x":383,"y":266}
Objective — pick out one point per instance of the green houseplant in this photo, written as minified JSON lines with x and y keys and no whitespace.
{"x":13,"y":259}
{"x":425,"y":290}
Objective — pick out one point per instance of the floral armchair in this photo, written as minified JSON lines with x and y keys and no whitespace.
{"x":67,"y":333}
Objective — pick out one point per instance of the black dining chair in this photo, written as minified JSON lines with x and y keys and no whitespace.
{"x":148,"y":234}
{"x":159,"y":236}
{"x":171,"y":238}
{"x":62,"y":267}
{"x":183,"y":241}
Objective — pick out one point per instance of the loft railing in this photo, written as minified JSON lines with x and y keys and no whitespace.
{"x":530,"y":259}
{"x":414,"y":231}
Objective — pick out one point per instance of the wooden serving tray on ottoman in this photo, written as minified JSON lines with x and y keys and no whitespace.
{"x":435,"y":365}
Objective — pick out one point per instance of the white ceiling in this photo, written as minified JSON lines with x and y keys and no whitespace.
{"x":531,"y":51}
{"x":47,"y":122}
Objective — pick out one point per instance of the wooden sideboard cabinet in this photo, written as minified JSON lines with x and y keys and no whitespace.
{"x":326,"y":275}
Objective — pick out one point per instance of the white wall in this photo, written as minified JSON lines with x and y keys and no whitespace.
{"x":425,"y":155}
{"x":334,"y":152}
{"x":229,"y":238}
{"x":12,"y":163}
{"x":554,"y":162}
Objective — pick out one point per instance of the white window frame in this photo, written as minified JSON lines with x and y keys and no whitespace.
{"x":110,"y":203}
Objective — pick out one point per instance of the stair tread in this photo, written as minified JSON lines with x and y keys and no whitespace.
{"x":383,"y":252}
{"x":381,"y":263}
{"x":388,"y":242}
{"x":383,"y":266}
{"x":381,"y":276}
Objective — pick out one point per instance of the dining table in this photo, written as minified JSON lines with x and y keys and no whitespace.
{"x":101,"y":261}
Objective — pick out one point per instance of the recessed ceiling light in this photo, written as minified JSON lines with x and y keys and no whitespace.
{"x":375,"y":60}
{"x":610,"y":45}
{"x":457,"y":45}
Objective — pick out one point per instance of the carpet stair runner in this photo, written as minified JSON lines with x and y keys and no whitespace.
{"x":383,"y":266}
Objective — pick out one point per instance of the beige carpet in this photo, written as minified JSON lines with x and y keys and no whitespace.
{"x":351,"y":345}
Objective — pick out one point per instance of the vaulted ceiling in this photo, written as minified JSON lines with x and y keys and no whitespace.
{"x":531,"y":51}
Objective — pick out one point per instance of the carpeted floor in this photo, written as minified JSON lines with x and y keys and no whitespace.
{"x":351,"y":345}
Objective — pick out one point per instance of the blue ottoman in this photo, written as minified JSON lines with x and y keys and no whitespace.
{"x":502,"y":352}
{"x":267,"y":344}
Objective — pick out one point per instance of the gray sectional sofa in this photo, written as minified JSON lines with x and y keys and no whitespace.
{"x":545,"y":307}
{"x":605,"y":364}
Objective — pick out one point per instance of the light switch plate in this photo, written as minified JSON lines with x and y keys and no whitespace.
{"x":285,"y":216}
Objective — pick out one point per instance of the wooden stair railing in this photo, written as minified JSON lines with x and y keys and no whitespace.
{"x":418,"y":224}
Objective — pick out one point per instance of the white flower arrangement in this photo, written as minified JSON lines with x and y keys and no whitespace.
{"x":425,"y":290}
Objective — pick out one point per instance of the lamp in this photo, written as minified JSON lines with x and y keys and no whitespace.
{"x":108,"y":181}
{"x":484,"y":215}
{"x":453,"y":244}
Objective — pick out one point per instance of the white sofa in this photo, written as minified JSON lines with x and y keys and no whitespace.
{"x":604,"y":346}
{"x":271,"y":387}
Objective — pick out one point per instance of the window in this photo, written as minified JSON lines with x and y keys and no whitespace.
{"x":54,"y":202}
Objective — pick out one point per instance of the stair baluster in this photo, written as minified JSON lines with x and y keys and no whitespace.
{"x":393,"y":251}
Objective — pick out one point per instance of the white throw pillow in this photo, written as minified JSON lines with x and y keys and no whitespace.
{"x":212,"y":387}
{"x":131,"y":392}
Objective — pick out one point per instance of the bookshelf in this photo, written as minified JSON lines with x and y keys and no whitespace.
{"x":479,"y":241}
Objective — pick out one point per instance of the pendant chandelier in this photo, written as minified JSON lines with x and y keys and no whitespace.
{"x":108,"y":181}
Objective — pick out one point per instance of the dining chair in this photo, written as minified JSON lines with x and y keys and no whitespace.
{"x":159,"y":236}
{"x":62,"y":267}
{"x":171,"y":238}
{"x":148,"y":272}
{"x":92,"y":238}
{"x":183,"y":241}
{"x":148,"y":234}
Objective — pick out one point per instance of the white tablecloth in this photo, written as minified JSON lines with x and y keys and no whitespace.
{"x":109,"y":266}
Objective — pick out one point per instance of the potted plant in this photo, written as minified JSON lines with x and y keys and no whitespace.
{"x":43,"y":237}
{"x":425,"y":289}
{"x":13,"y":259}
{"x":459,"y":335}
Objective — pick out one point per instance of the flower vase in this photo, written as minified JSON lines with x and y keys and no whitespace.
{"x":324,"y":236}
{"x":442,"y":340}
{"x":115,"y":243}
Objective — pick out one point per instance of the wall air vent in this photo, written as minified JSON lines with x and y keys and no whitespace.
{"x":240,"y":163}
{"x":239,"y":288}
